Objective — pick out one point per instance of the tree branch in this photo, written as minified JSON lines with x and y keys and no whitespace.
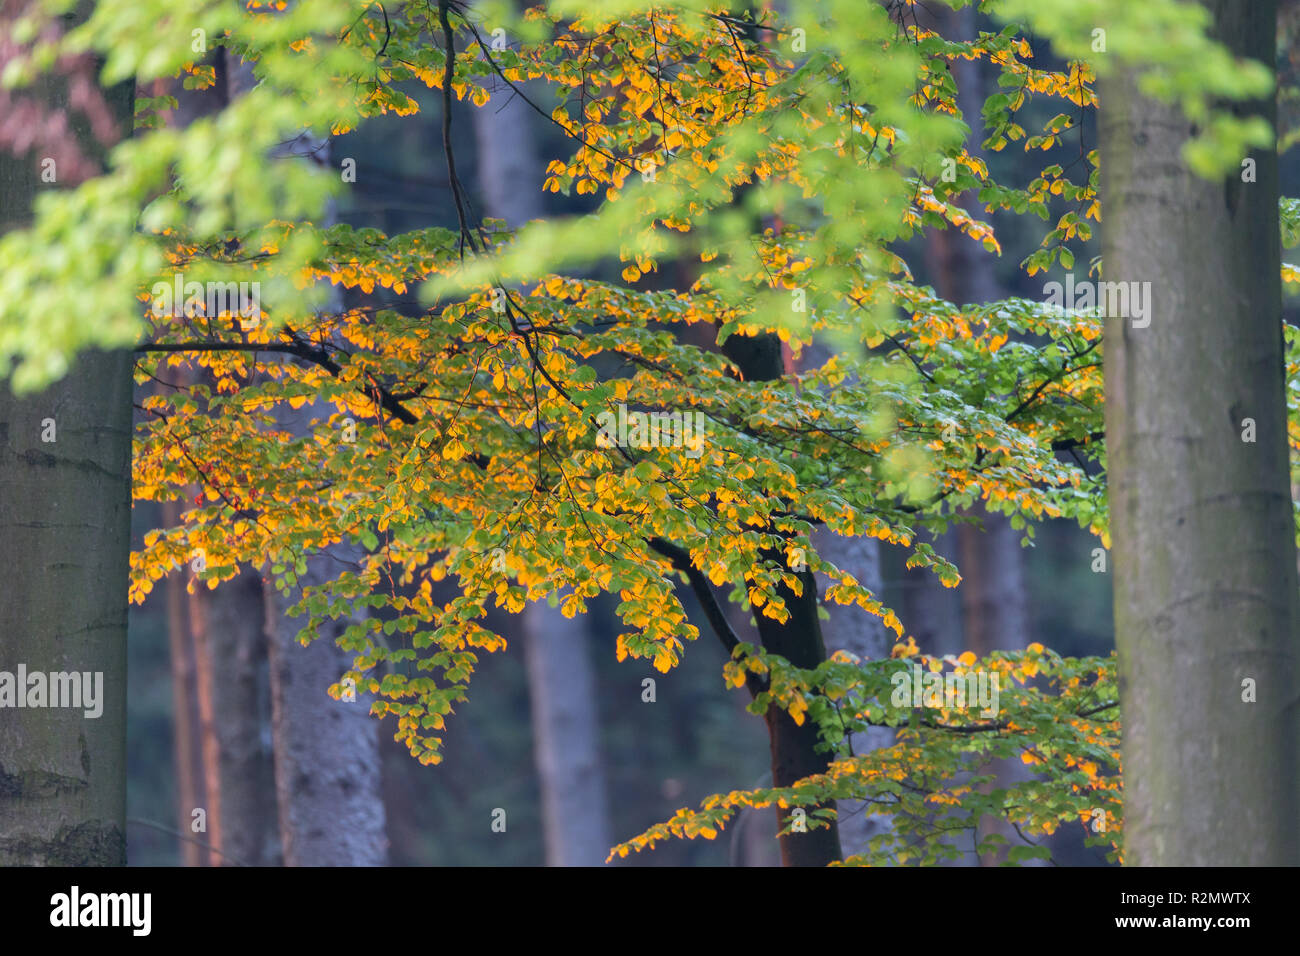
{"x":681,"y":560}
{"x":1065,"y":444}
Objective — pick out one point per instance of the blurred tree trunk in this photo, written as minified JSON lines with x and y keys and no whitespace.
{"x":65,"y":521}
{"x":995,"y":611}
{"x":1203,"y":532}
{"x":799,"y":640}
{"x":187,"y":743}
{"x":188,"y":719}
{"x":561,"y":681}
{"x":995,"y":608}
{"x":853,"y":630}
{"x":221,"y":670}
{"x":229,"y":639}
{"x":751,"y":833}
{"x":932,"y":612}
{"x":326,"y":751}
{"x":228,"y":624}
{"x":994,"y":598}
{"x":566,"y":737}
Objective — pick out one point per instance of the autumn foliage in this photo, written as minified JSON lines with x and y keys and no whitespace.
{"x":781,"y":165}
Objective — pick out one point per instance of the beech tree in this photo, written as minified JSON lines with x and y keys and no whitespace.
{"x":65,"y":516}
{"x":470,"y":441}
{"x":561,"y":682}
{"x":1204,"y":544}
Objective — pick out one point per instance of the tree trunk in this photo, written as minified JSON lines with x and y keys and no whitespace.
{"x":932,"y":612}
{"x":995,"y":608}
{"x":852,"y":629}
{"x":849,"y":628}
{"x":191,"y":787}
{"x":326,"y":750}
{"x":1201,"y":520}
{"x":798,"y":640}
{"x":561,"y":682}
{"x":221,"y":701}
{"x":65,"y":524}
{"x":227,"y":625}
{"x":994,"y":600}
{"x":566,"y":737}
{"x":995,"y":616}
{"x":65,"y":513}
